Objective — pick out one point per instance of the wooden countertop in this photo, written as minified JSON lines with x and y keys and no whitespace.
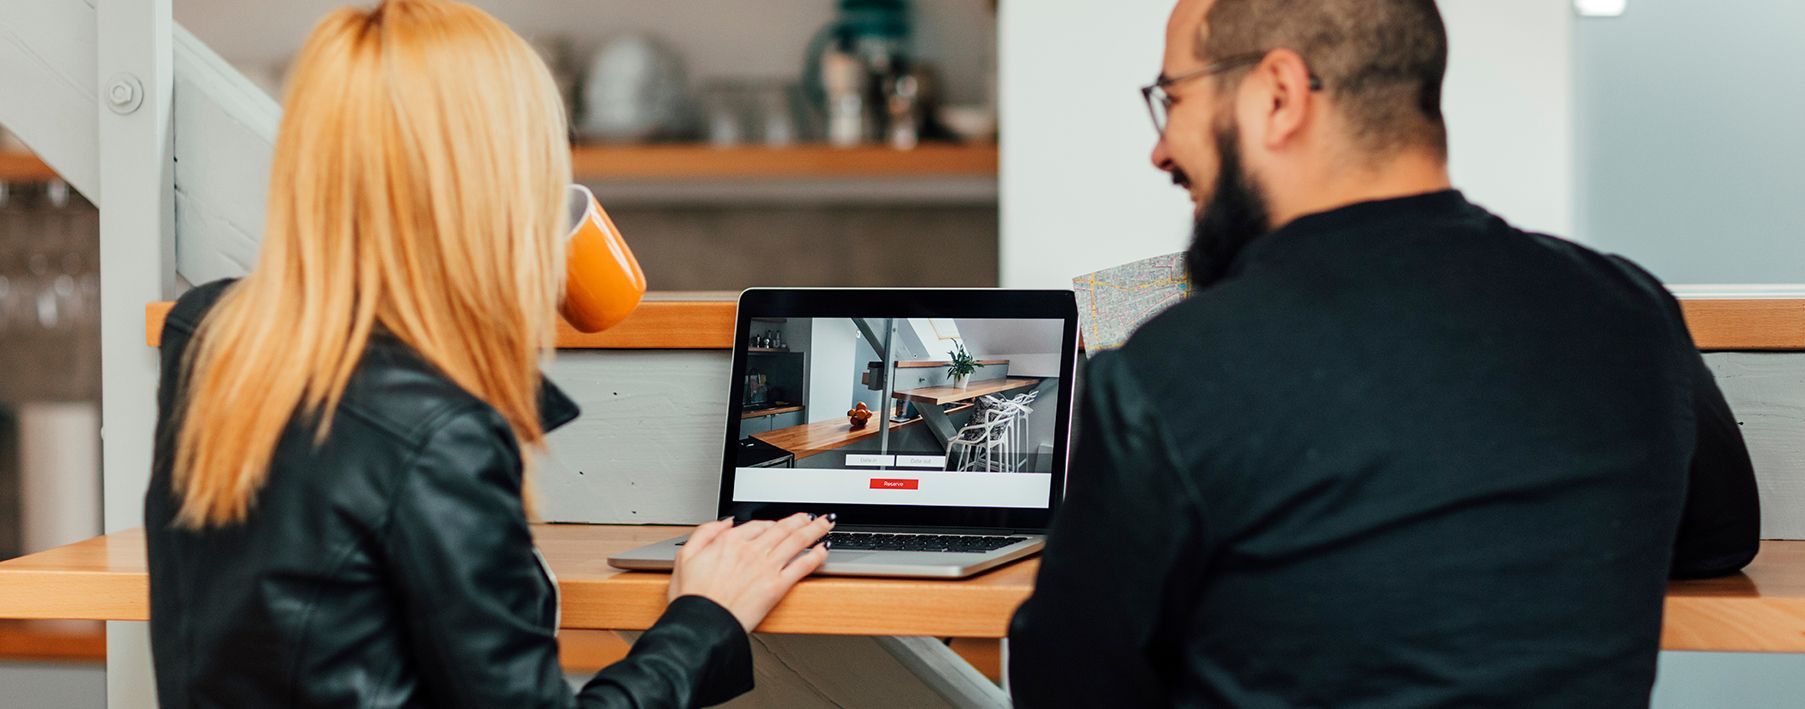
{"x":1760,"y":610}
{"x":104,"y":579}
{"x":935,"y":396}
{"x":704,"y":320}
{"x":668,"y":321}
{"x":822,"y":436}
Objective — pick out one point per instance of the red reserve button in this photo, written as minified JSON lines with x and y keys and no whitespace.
{"x":894,"y":484}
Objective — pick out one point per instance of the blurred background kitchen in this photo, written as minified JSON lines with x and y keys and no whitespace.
{"x":736,"y":143}
{"x":853,"y":142}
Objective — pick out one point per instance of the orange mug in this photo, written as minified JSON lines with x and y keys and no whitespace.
{"x":603,"y":283}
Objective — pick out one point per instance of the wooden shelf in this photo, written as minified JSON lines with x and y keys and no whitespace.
{"x":655,"y":325}
{"x":684,"y":162}
{"x":691,"y":162}
{"x":705,"y":321}
{"x":23,"y":167}
{"x":930,"y":364}
{"x":938,"y":395}
{"x":770,"y":411}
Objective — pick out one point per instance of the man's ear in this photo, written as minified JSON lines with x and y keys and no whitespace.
{"x":1288,"y":102}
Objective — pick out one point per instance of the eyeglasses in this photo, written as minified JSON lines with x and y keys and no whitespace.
{"x":1159,"y":103}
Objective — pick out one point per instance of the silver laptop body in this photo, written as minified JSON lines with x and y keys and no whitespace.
{"x":970,"y":468}
{"x":904,"y":564}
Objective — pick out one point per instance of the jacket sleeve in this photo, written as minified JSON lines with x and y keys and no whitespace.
{"x":477,"y":603}
{"x":1124,"y":535}
{"x":1720,"y":529}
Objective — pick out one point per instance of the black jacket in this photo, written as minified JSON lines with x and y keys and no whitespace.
{"x":1404,"y":455}
{"x":391,"y":566}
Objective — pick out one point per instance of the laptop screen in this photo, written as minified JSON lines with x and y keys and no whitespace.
{"x":901,"y":407}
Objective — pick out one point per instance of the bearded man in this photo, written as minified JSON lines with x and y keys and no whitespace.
{"x":1393,"y":451}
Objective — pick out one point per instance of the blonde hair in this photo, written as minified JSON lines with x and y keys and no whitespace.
{"x":418,"y":183}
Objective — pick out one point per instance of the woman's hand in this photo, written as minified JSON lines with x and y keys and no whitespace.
{"x":748,"y":569}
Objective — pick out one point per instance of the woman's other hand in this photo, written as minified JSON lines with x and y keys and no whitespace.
{"x":748,"y":569}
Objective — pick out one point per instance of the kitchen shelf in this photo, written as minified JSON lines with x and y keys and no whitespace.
{"x":768,"y":350}
{"x":686,"y":162}
{"x":702,"y":162}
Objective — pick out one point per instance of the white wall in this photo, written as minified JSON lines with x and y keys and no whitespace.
{"x":833,"y":365}
{"x":1031,"y":346}
{"x":1508,"y":101}
{"x":1079,"y":192}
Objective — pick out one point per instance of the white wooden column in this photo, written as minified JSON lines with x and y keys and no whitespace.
{"x":137,"y":266}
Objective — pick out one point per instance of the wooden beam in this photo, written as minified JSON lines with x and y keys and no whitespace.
{"x":655,"y":325}
{"x":706,"y":322}
{"x":1738,"y":325}
{"x":52,"y":641}
{"x":662,"y":325}
{"x":691,"y":162}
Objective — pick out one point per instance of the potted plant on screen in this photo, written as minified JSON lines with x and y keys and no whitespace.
{"x":962,"y":366}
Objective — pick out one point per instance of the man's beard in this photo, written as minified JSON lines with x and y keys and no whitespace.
{"x":1235,"y":215}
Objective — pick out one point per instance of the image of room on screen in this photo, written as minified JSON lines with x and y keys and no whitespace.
{"x":973,"y":396}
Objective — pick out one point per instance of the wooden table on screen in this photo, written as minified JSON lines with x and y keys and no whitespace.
{"x":1761,"y":610}
{"x":928,"y":401}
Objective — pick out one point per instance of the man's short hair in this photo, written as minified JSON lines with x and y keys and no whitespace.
{"x":1383,"y":60}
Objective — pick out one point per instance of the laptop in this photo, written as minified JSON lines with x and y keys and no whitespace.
{"x":934,"y":422}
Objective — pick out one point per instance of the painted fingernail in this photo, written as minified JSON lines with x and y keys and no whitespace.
{"x":811,"y":516}
{"x":827,"y":545}
{"x":833,"y":516}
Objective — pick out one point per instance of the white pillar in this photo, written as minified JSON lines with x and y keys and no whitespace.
{"x":137,"y":266}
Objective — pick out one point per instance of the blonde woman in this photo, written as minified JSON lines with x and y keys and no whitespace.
{"x":338,"y":510}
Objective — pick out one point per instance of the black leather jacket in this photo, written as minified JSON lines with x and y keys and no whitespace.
{"x":391,"y":566}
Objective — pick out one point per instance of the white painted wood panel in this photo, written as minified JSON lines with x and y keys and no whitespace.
{"x":48,"y":75}
{"x":647,"y":449}
{"x":225,"y":128}
{"x":1767,"y":392}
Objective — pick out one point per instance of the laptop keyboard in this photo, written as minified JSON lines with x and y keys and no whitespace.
{"x":959,"y":543}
